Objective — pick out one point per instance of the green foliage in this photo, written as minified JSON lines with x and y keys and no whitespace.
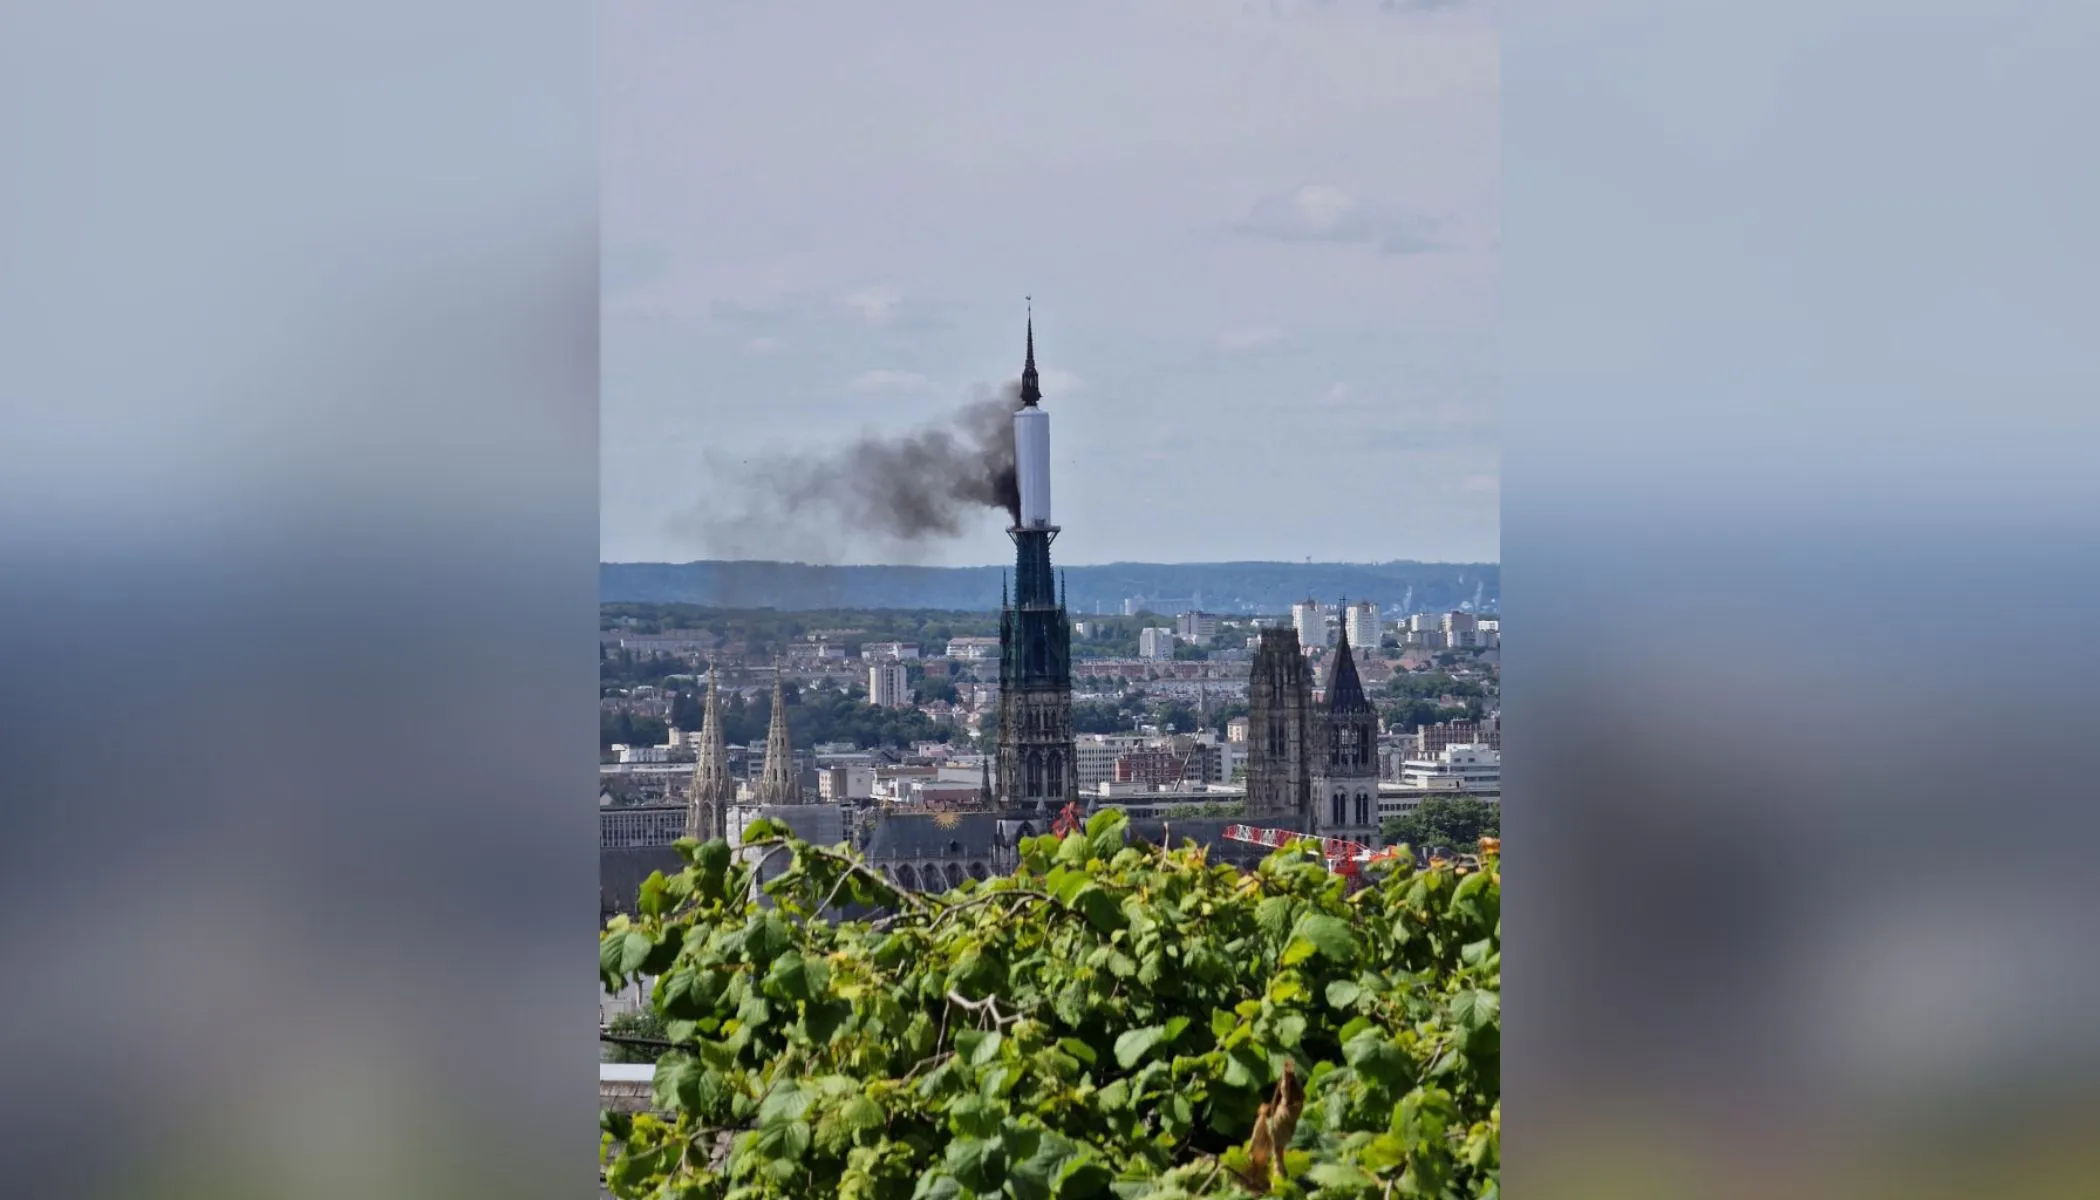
{"x":1106,"y":1022}
{"x":646,"y":1025}
{"x":1445,"y":823}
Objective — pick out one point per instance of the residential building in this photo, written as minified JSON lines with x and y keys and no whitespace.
{"x":1196,"y":626}
{"x":1470,"y":769}
{"x":974,"y":649}
{"x":889,"y":686}
{"x":1310,"y":620}
{"x":1363,"y":625}
{"x":1155,"y":643}
{"x":890,"y":650}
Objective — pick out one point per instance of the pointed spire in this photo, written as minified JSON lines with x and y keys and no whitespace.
{"x":711,"y":790}
{"x":1031,"y":388}
{"x":1345,"y":689}
{"x":984,"y":790}
{"x":779,"y":784}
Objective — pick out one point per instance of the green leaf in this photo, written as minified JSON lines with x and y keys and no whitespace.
{"x":1132,"y":1045}
{"x":979,"y":1163}
{"x":1344,"y":993}
{"x":1475,"y":1008}
{"x":859,"y":1114}
{"x":1222,"y":1023}
{"x":1273,"y":915}
{"x":786,"y":1103}
{"x":787,"y":1141}
{"x":634,"y":951}
{"x":1290,"y":1030}
{"x":938,"y":1185}
{"x":1331,"y":935}
{"x":986,"y":1050}
{"x":1339,"y":1176}
{"x":1296,"y":951}
{"x":1083,"y":1179}
{"x":652,"y":900}
{"x":1175,"y":1026}
{"x":1078,"y":1049}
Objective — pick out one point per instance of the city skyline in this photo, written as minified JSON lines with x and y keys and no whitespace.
{"x":808,"y":237}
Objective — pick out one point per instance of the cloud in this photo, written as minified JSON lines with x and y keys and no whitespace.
{"x":1479,"y":483}
{"x":763,"y":345}
{"x":1420,"y":5}
{"x":1339,"y":396}
{"x":1320,"y":213}
{"x":891,"y":381}
{"x":1061,"y":383}
{"x":875,"y":306}
{"x":1238,"y":341}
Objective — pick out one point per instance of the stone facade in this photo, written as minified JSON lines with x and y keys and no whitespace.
{"x":1344,"y":786}
{"x":1279,"y":732}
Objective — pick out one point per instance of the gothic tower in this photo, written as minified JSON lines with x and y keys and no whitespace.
{"x":780,"y":783}
{"x":1345,"y":782}
{"x":1036,"y":750}
{"x":1279,"y":732}
{"x":710,"y":792}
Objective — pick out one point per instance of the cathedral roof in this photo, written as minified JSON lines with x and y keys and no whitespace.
{"x":1345,"y":692}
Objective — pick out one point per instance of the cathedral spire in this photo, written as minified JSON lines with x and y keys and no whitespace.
{"x":1031,"y":388}
{"x":779,"y":784}
{"x":710,"y":791}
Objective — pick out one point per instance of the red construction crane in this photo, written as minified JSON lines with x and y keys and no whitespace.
{"x":1068,"y":821}
{"x":1344,"y":857}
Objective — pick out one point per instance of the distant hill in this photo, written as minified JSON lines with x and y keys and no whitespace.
{"x":1235,"y":587}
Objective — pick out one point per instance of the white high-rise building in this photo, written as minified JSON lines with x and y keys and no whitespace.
{"x":1364,"y":626}
{"x":1311,"y":622}
{"x":1196,"y":626}
{"x":889,"y":686}
{"x":1155,"y":643}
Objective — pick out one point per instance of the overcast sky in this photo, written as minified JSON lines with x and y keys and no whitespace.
{"x":1261,"y":238}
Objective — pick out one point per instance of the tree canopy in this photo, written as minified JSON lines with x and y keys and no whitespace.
{"x":1444,"y":823}
{"x":1109,"y":1020}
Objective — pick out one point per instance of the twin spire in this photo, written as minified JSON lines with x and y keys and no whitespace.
{"x":780,"y":783}
{"x":711,"y":790}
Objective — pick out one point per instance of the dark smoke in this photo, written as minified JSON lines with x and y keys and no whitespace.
{"x":902,"y":489}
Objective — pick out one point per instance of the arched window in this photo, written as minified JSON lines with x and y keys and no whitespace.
{"x":955,"y":876}
{"x":1363,"y":809}
{"x":907,"y":878}
{"x":1339,"y":807}
{"x":978,"y":871}
{"x":1035,"y":775}
{"x":1057,"y":774}
{"x":1276,"y":735}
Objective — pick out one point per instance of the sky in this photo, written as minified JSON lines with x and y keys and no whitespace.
{"x":1261,"y":239}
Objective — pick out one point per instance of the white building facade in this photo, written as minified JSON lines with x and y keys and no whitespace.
{"x":889,"y":686}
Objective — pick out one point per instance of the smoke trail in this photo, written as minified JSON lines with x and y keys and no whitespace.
{"x":902,"y":489}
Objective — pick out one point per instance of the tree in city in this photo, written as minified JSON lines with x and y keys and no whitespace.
{"x":1109,"y":1020}
{"x":643,"y":1026}
{"x":1444,"y":823}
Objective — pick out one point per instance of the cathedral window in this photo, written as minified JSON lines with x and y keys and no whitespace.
{"x":1339,"y":808}
{"x":1057,"y":775}
{"x":1035,"y":775}
{"x":1363,"y":809}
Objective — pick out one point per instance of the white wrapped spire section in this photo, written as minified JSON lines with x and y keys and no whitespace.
{"x":1032,"y":445}
{"x":1032,"y":465}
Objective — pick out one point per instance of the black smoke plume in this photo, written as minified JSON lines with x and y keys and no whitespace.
{"x":900,"y":489}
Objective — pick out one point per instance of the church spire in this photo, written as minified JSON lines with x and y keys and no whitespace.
{"x":779,"y":784}
{"x":1031,"y":388}
{"x":710,"y":791}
